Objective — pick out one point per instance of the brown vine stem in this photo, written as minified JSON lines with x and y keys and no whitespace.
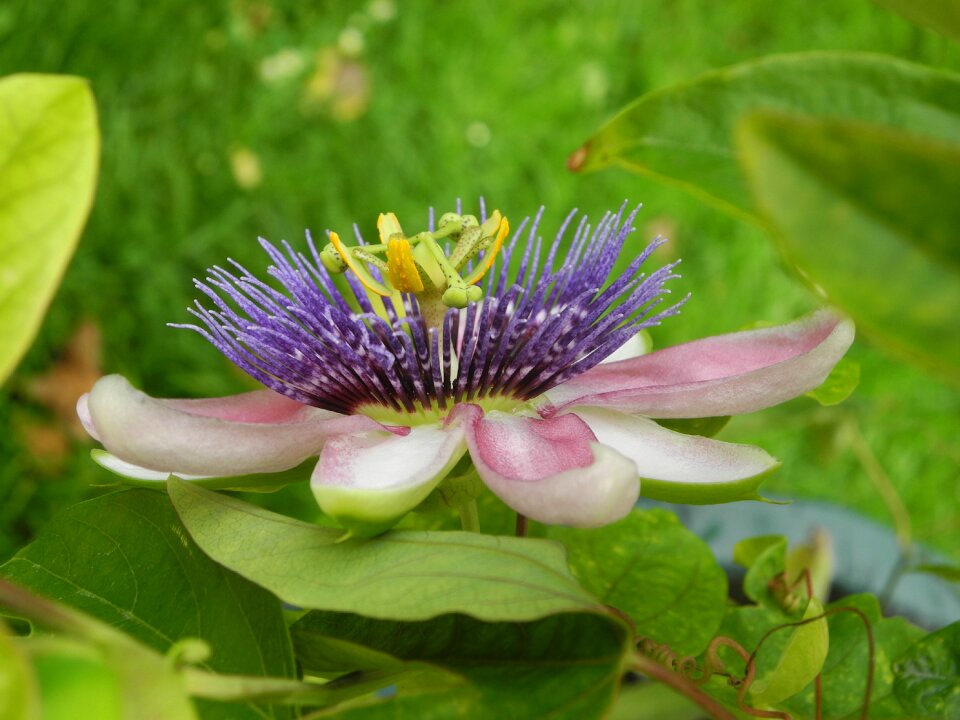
{"x":521,"y":525}
{"x":656,"y":671}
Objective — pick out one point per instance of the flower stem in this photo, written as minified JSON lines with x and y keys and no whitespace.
{"x":469,"y":517}
{"x":521,"y":525}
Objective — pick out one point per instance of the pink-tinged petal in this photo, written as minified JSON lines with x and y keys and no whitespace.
{"x":83,"y":412}
{"x":368,"y":481}
{"x":251,"y":433}
{"x":551,"y":470}
{"x":681,"y":468}
{"x":722,"y":375}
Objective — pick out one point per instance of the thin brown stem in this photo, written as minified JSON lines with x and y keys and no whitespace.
{"x":655,"y":671}
{"x":521,"y":525}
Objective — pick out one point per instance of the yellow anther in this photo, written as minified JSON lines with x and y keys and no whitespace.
{"x":388,"y":225}
{"x":401,"y":267}
{"x":358,"y":269}
{"x":491,"y":254}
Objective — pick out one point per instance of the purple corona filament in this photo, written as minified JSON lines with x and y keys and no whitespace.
{"x":542,"y":321}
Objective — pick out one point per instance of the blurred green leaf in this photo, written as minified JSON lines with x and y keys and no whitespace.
{"x":116,"y":682}
{"x":71,"y":679}
{"x":928,"y":675}
{"x":799,"y":662}
{"x":49,"y":146}
{"x":868,"y":215}
{"x":402,"y":575}
{"x":816,"y":557}
{"x":18,"y":685}
{"x":564,"y":666}
{"x":654,"y":701}
{"x":91,"y":665}
{"x":684,"y":134}
{"x":839,"y":385}
{"x":940,"y":15}
{"x":765,"y":558}
{"x":656,"y":571}
{"x":125,"y":559}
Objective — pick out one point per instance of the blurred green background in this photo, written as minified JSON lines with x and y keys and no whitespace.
{"x":223,"y":121}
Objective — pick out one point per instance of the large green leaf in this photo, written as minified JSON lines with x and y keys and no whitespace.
{"x":684,"y":133}
{"x":565,"y":666}
{"x":940,"y":15}
{"x":928,"y":675}
{"x":656,"y":571}
{"x":869,"y":215}
{"x":402,"y":575}
{"x":124,"y":558}
{"x":49,"y":145}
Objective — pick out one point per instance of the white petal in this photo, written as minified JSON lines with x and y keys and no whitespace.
{"x":369,"y":481}
{"x":681,"y":468}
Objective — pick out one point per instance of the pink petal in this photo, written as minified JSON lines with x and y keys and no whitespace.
{"x":681,"y":468}
{"x":369,"y":481}
{"x":550,"y":470}
{"x":250,"y":433}
{"x":722,"y":375}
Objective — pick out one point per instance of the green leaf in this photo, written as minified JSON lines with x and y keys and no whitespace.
{"x":49,"y":145}
{"x":765,"y":558}
{"x":868,"y":215}
{"x":844,"y":671}
{"x":565,"y":666}
{"x":92,"y":665}
{"x":940,"y":15}
{"x":845,"y":668}
{"x":798,"y":663}
{"x":839,"y":385}
{"x":72,"y":677}
{"x":928,"y":675}
{"x":656,"y":571}
{"x":122,"y":682}
{"x":684,"y":134}
{"x":402,"y":575}
{"x":654,"y":701}
{"x":19,"y":699}
{"x":125,"y":559}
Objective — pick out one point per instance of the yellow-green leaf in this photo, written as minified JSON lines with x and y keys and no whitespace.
{"x":868,"y":215}
{"x":943,"y":16}
{"x":684,"y":134}
{"x":800,"y":662}
{"x":49,"y":146}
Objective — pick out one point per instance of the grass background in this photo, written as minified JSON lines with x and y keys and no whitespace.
{"x":223,"y":121}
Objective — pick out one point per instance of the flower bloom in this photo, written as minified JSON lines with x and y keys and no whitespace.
{"x":443,"y":349}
